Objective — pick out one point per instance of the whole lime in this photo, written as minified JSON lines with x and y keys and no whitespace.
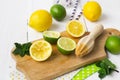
{"x":113,"y":44}
{"x":58,"y":12}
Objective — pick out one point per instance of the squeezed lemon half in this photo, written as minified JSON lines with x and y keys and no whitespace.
{"x":40,"y":50}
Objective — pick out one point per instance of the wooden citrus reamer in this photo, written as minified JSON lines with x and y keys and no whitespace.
{"x":86,"y":44}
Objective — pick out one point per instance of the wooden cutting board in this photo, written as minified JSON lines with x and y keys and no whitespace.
{"x":59,"y":64}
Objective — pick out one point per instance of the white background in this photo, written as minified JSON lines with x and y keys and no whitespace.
{"x":14,"y":15}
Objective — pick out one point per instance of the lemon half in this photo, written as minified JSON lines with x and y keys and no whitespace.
{"x":75,"y":28}
{"x":40,"y":50}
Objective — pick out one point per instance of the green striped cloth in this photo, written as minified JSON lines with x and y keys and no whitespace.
{"x":86,"y":72}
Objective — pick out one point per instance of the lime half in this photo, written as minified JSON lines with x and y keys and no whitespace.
{"x":66,"y":45}
{"x":51,"y":36}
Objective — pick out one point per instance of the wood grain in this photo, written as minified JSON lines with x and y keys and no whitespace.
{"x":59,"y":64}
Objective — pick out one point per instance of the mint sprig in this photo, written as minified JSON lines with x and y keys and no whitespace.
{"x":107,"y":67}
{"x":22,"y":49}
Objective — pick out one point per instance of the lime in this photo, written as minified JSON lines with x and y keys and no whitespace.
{"x":40,"y":20}
{"x":40,"y":50}
{"x":113,"y":44}
{"x":51,"y":36}
{"x":75,"y":28}
{"x":66,"y":45}
{"x":58,"y":12}
{"x":92,"y":10}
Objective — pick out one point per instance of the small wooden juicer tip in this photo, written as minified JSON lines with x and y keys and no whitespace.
{"x":86,"y":44}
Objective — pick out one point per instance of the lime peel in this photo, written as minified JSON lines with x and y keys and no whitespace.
{"x":66,"y":45}
{"x":51,"y":36}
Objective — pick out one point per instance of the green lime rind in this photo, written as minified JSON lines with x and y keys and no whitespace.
{"x":64,"y":51}
{"x":50,"y":40}
{"x":113,"y":44}
{"x":66,"y":45}
{"x":51,"y":36}
{"x":86,"y":72}
{"x":58,"y":12}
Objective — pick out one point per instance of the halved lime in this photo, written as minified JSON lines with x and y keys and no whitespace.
{"x":66,"y":45}
{"x":51,"y":36}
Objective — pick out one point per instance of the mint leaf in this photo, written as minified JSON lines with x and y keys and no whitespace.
{"x":102,"y":73}
{"x":18,"y":49}
{"x":22,"y":49}
{"x":26,"y":47}
{"x":106,"y":67}
{"x":109,"y":63}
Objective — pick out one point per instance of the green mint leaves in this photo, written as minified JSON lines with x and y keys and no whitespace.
{"x":106,"y":67}
{"x":22,"y":49}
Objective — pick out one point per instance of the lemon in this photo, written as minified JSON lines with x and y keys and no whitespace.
{"x":66,"y":45}
{"x":51,"y":36}
{"x":40,"y":20}
{"x":40,"y":50}
{"x":92,"y":10}
{"x":75,"y":28}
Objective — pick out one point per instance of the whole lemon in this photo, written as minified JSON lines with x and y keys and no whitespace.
{"x":92,"y":10}
{"x":40,"y":20}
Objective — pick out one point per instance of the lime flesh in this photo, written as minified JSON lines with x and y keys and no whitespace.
{"x":51,"y":36}
{"x":66,"y":45}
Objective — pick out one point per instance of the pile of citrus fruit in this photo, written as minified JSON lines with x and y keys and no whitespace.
{"x":41,"y":21}
{"x":41,"y":50}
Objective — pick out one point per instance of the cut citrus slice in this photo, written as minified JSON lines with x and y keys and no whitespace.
{"x":66,"y":45}
{"x":51,"y":36}
{"x":75,"y":28}
{"x":40,"y":50}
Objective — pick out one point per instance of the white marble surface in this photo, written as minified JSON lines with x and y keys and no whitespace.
{"x":14,"y":15}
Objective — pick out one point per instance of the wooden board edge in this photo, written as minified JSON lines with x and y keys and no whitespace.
{"x":60,"y":73}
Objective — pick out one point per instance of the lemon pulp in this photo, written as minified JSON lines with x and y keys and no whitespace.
{"x":75,"y":28}
{"x":40,"y":50}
